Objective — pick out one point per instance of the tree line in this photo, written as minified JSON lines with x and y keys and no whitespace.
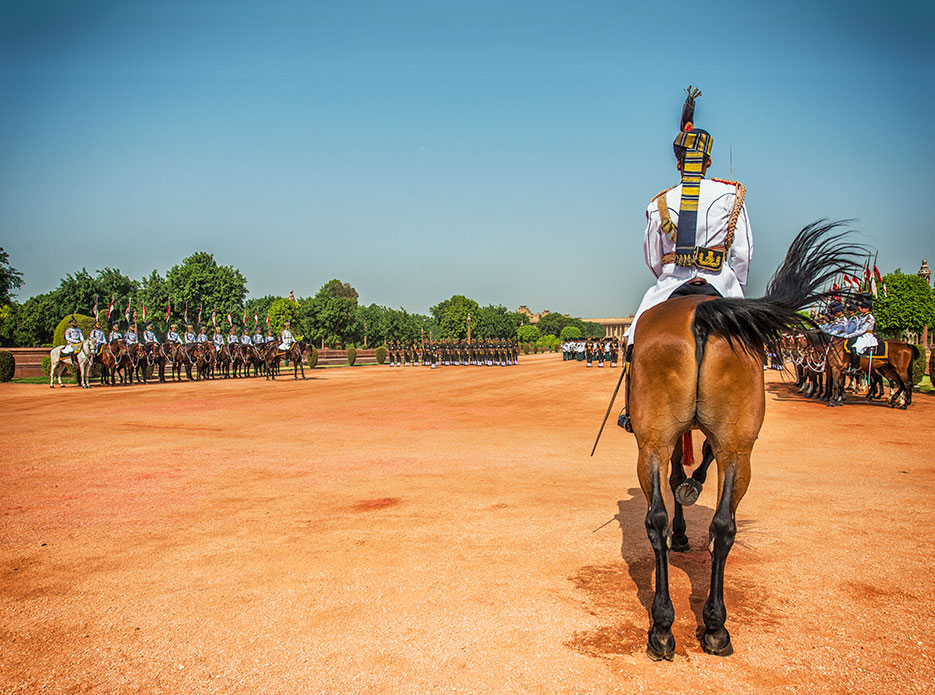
{"x":199,"y":290}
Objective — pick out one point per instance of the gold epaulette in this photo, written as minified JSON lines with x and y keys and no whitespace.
{"x":666,"y":224}
{"x":735,"y":211}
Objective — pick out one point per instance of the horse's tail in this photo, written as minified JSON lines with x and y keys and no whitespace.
{"x":817,"y":254}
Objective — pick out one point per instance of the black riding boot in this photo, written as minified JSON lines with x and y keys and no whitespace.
{"x":624,"y":419}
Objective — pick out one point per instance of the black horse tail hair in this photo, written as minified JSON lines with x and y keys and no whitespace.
{"x":817,"y":254}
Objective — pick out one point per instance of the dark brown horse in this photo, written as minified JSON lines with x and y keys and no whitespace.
{"x":698,"y":364}
{"x":895,"y":365}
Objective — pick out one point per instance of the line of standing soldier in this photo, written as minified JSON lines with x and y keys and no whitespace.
{"x":498,"y":352}
{"x":592,"y":350}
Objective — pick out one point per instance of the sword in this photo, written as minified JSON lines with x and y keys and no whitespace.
{"x":609,"y":406}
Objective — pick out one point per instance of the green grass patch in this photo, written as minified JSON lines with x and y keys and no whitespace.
{"x":43,"y":380}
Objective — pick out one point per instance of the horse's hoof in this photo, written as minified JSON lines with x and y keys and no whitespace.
{"x":687,"y":493}
{"x":660,"y":646}
{"x":679,"y":544}
{"x":717,"y":642}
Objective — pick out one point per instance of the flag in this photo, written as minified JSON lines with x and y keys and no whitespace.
{"x":245,"y":317}
{"x":214,"y":316}
{"x":267,"y":320}
{"x":884,"y":289}
{"x":230,"y":319}
{"x":96,"y":311}
{"x":873,"y":286}
{"x":876,"y":273}
{"x":144,"y":312}
{"x":199,"y":316}
{"x":126,"y":314}
{"x":867,"y":275}
{"x":186,"y":313}
{"x":168,"y":304}
{"x":110,"y":309}
{"x":256,"y":319}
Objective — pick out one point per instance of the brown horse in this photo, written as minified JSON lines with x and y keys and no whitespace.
{"x":698,"y":364}
{"x":895,"y":365}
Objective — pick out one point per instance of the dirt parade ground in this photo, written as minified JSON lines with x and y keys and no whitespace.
{"x":404,"y":530}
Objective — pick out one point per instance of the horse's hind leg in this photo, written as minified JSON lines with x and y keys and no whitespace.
{"x":733,"y":478}
{"x":688,"y":491}
{"x":661,"y":643}
{"x":676,"y":479}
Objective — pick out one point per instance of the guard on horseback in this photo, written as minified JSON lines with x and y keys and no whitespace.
{"x":73,"y":337}
{"x":99,"y":338}
{"x":698,"y":238}
{"x":859,"y":332}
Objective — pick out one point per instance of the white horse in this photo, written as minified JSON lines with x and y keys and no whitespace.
{"x":85,"y":355}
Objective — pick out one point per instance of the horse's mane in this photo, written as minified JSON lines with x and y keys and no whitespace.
{"x":817,"y":254}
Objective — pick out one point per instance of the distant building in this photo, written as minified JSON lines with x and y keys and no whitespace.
{"x":613,"y":328}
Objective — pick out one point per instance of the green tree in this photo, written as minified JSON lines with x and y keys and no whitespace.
{"x":260,"y":307}
{"x":528,"y":334}
{"x":553,"y":322}
{"x":34,"y":321}
{"x":370,"y":324}
{"x":909,"y":304}
{"x":152,"y":293}
{"x":282,"y":310}
{"x":494,"y":321}
{"x":330,"y":314}
{"x":199,"y":282}
{"x":399,"y":324}
{"x":452,"y":314}
{"x":10,"y":278}
{"x":570,"y":333}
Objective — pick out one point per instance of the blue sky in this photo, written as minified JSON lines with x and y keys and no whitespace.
{"x":502,"y":150}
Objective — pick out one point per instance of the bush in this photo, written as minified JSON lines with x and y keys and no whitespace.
{"x":918,"y":365}
{"x":381,"y":354}
{"x":351,"y":355}
{"x":932,"y":367}
{"x":525,"y":348}
{"x":46,"y":365}
{"x":7,"y":365}
{"x":313,"y":358}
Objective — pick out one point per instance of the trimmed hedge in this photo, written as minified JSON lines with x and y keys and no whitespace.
{"x":525,"y":348}
{"x":313,"y":358}
{"x":7,"y":365}
{"x":351,"y":355}
{"x":381,"y":354}
{"x":932,"y":367}
{"x":46,"y":365}
{"x":918,"y":365}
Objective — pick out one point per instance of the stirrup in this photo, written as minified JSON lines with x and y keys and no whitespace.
{"x":623,"y":420}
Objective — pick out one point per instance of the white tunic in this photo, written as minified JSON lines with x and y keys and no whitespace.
{"x":715,"y":203}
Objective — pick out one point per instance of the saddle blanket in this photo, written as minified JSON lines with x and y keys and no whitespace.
{"x":880,"y":351}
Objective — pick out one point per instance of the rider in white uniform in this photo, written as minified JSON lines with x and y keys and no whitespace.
{"x":73,"y":337}
{"x":285,"y":338}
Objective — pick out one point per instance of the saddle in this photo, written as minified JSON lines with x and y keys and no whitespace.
{"x":695,"y":286}
{"x":879,"y":351}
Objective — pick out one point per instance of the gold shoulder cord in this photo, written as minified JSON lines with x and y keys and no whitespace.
{"x":668,"y":227}
{"x":735,"y":211}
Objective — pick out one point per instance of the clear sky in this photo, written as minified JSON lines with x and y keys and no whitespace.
{"x":501,"y":150}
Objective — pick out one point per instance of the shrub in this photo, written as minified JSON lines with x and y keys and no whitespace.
{"x":525,"y":348}
{"x":351,"y":355}
{"x":46,"y":365}
{"x":313,"y":358}
{"x":932,"y":367}
{"x":918,"y":365}
{"x":381,"y":354}
{"x":7,"y":365}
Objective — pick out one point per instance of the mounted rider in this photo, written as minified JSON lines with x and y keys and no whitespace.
{"x":131,"y":338}
{"x":232,"y":337}
{"x":837,"y":324}
{"x":149,"y":336}
{"x":258,"y":338}
{"x":173,"y":335}
{"x":98,"y":338}
{"x":698,"y":238}
{"x":73,"y":337}
{"x":286,"y":339}
{"x":190,"y":337}
{"x":203,"y":336}
{"x":115,"y":333}
{"x":859,"y":331}
{"x":218,"y":339}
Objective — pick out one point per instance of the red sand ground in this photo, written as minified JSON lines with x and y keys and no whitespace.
{"x":381,"y":530}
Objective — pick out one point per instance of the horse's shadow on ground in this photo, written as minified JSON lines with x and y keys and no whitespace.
{"x":787,"y":392}
{"x":607,"y":590}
